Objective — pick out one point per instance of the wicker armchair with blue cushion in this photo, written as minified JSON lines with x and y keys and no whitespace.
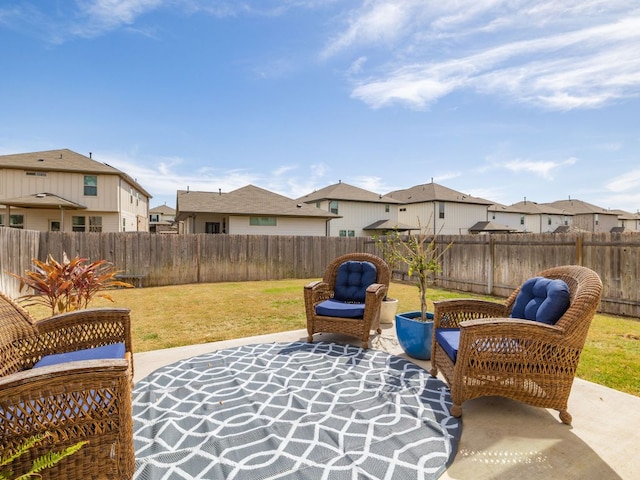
{"x":347,"y":300}
{"x":526,"y":349}
{"x":68,"y":378}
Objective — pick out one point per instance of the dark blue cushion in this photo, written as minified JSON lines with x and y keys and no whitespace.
{"x":336,"y":308}
{"x":541,"y":299}
{"x":449,"y":340}
{"x":352,"y":281}
{"x":114,"y":350}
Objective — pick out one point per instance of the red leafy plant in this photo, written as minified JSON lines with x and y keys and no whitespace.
{"x":68,"y":285}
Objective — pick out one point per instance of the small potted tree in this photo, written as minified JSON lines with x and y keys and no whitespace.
{"x":419,"y":253}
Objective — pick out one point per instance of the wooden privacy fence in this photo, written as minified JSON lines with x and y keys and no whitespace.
{"x":486,"y":264}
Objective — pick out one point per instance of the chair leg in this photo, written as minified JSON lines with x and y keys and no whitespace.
{"x":434,"y":371}
{"x":456,"y":410}
{"x":565,"y":416}
{"x":310,"y":338}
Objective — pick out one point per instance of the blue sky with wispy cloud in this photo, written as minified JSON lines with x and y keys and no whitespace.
{"x":502,"y":99}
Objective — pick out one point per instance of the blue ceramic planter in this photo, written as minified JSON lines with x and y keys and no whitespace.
{"x":414,"y":335}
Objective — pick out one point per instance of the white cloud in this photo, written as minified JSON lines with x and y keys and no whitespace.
{"x":543,"y":169}
{"x":558,"y":55}
{"x":625,"y":182}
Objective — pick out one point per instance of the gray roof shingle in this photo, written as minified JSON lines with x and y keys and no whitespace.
{"x":249,"y":200}
{"x":432,"y":192}
{"x":344,"y":191}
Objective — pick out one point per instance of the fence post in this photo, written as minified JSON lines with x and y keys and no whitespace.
{"x":579,"y":244}
{"x":492,"y":251}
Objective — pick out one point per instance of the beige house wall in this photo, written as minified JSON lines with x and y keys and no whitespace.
{"x":458,"y":217}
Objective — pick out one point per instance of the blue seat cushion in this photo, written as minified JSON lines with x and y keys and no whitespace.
{"x":114,"y":350}
{"x":352,"y":281}
{"x":336,"y":308}
{"x":449,"y":340}
{"x":541,"y":299}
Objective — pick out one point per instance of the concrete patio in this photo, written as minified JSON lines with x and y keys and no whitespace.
{"x":501,"y":439}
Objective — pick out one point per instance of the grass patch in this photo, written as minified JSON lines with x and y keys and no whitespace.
{"x":179,"y":315}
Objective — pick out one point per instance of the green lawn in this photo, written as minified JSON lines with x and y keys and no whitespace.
{"x":172,"y":316}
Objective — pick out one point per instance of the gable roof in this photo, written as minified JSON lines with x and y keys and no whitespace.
{"x":249,"y":200}
{"x":346,"y":192}
{"x":529,"y":207}
{"x":63,"y":160}
{"x":578,"y":207}
{"x":163,"y":209}
{"x":490,"y":227}
{"x":432,"y":192}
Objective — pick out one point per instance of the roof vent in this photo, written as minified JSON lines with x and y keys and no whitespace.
{"x":41,"y":159}
{"x":41,"y":195}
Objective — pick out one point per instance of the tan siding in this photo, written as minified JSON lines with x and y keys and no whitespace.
{"x":356,"y":215}
{"x":285,"y":226}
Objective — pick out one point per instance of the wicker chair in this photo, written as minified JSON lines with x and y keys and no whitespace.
{"x":520,"y":359}
{"x":319,"y":291}
{"x":69,"y":402}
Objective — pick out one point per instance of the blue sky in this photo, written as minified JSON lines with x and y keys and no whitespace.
{"x":498,"y":99}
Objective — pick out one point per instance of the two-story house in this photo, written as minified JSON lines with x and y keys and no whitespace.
{"x":627,"y":221}
{"x":586,"y":216}
{"x":363,"y":213}
{"x":249,"y":210}
{"x":61,"y":190}
{"x":162,"y":219}
{"x":439,"y":209}
{"x":530,"y":217}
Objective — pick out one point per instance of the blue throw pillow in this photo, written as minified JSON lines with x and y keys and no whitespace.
{"x":352,"y":281}
{"x":541,"y":299}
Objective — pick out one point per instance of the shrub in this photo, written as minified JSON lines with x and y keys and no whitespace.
{"x":70,"y":285}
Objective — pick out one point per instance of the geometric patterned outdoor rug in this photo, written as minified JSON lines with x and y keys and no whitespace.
{"x":293,"y":411}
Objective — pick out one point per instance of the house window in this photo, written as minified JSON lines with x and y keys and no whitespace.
{"x":403,"y":209}
{"x":493,"y":216}
{"x":154,"y":217}
{"x":596,"y":217}
{"x":54,"y":226}
{"x":131,"y":196}
{"x":521,"y":219}
{"x":137,"y":198}
{"x":16,"y":221}
{"x":386,"y":208}
{"x":95,"y":224}
{"x":262,"y":221}
{"x":564,"y":220}
{"x":318,"y":204}
{"x":91,"y":185}
{"x":36,"y":174}
{"x":343,"y":233}
{"x":548,"y":219}
{"x":124,"y":224}
{"x":440,"y":209}
{"x":351,"y":233}
{"x":333,"y":206}
{"x":78,"y":224}
{"x":211,"y":227}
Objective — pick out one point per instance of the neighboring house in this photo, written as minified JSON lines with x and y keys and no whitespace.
{"x":61,"y":190}
{"x":440,"y":209}
{"x":162,"y":220}
{"x":363,"y":213}
{"x":627,"y":222}
{"x":586,"y":216}
{"x":249,"y":210}
{"x":530,"y":217}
